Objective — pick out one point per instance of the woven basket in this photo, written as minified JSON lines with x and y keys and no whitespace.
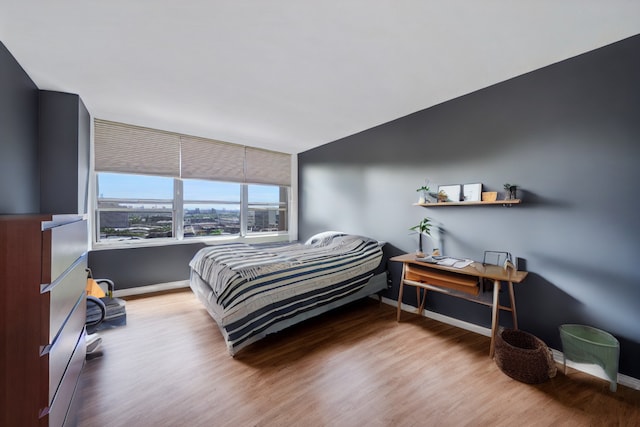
{"x":524,"y":357}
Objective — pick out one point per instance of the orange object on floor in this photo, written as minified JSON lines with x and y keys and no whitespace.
{"x":93,"y":289}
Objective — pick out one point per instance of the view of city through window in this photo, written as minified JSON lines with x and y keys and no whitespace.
{"x":135,"y":207}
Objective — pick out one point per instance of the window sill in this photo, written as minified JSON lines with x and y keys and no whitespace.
{"x":146,"y":243}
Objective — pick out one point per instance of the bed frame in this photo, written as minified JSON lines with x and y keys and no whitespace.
{"x":376,"y":284}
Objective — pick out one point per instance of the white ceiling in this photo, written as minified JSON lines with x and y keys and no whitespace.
{"x":290,"y":75}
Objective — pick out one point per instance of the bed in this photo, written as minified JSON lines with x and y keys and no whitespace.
{"x":252,"y":291}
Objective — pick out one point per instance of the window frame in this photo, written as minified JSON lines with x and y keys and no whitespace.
{"x":132,"y":149}
{"x":178,"y":217}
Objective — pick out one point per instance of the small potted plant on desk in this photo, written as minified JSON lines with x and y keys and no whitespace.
{"x":423,"y":227}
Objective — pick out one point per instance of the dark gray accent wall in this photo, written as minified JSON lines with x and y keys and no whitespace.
{"x":568,"y":134}
{"x":135,"y":267}
{"x":19,"y":175}
{"x":64,"y":127}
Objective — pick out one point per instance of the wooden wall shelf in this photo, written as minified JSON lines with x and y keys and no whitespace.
{"x":495,"y":202}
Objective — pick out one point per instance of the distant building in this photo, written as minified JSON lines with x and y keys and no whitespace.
{"x":261,"y":220}
{"x":114,"y":220}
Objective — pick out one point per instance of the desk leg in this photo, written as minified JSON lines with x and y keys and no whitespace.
{"x":512,"y":297}
{"x":404,"y":266}
{"x":494,"y":315}
{"x":421,"y":300}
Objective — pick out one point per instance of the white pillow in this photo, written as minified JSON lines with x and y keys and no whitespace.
{"x":324,"y":238}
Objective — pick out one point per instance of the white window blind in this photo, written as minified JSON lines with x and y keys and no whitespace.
{"x":209,"y":159}
{"x":126,"y":148}
{"x":134,"y":149}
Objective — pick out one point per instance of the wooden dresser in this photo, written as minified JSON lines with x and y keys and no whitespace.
{"x":42,"y":316}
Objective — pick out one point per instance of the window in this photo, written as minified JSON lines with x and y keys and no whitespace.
{"x":140,"y":207}
{"x":211,"y":208}
{"x":267,"y":208}
{"x":134,"y":207}
{"x":154,"y":184}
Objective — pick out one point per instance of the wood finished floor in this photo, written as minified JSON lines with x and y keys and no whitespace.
{"x":353,"y":367}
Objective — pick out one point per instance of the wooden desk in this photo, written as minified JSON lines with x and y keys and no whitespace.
{"x":461,"y":283}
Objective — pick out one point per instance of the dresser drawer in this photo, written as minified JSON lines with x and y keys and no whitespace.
{"x":59,"y":409}
{"x":63,"y":244}
{"x":64,"y":346}
{"x":63,"y":294}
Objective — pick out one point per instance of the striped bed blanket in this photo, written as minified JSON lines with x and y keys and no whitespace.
{"x":249,"y":289}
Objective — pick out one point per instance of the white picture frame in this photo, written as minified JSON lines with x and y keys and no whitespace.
{"x":453,"y":192}
{"x":472,"y":192}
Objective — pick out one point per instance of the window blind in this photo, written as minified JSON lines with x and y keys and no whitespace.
{"x":209,"y":159}
{"x":133,"y":149}
{"x":126,"y":148}
{"x":267,"y":167}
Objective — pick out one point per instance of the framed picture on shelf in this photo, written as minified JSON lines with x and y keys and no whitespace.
{"x":452,"y":192}
{"x":471,"y":192}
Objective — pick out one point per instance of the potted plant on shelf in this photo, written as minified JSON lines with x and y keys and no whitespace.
{"x":510,"y":191}
{"x":423,"y":227}
{"x":442,"y":196}
{"x":425,"y":191}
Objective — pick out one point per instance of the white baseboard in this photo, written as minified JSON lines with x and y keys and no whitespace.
{"x":442,"y":318}
{"x":594,"y":370}
{"x":160,"y":287}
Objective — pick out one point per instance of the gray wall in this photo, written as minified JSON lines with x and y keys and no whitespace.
{"x":64,"y":153}
{"x":568,"y":134}
{"x":19,"y":175}
{"x":44,"y":146}
{"x":135,"y":267}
